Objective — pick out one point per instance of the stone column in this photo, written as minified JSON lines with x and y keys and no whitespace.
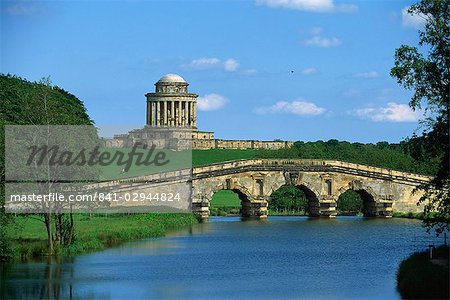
{"x":158,"y":108}
{"x":183,"y":112}
{"x":190,"y":113}
{"x":179,"y":114}
{"x":194,"y":114}
{"x":165,"y":113}
{"x":186,"y":111}
{"x":172,"y":113}
{"x":154,"y":113}
{"x":150,"y":114}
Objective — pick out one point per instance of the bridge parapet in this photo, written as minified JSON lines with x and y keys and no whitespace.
{"x":309,"y":164}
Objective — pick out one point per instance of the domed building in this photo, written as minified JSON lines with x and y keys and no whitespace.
{"x":171,"y":105}
{"x":171,"y":122}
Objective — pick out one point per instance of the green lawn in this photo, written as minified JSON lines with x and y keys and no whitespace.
{"x":225,"y":198}
{"x":210,"y":156}
{"x":224,"y":203}
{"x":177,"y":160}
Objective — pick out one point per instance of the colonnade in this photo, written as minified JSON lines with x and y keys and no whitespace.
{"x":177,"y":113}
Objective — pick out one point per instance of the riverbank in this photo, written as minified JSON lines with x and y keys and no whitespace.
{"x":418,"y":277}
{"x":410,"y":215}
{"x":93,"y":232}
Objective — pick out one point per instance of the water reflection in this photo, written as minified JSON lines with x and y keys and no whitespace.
{"x":44,"y":280}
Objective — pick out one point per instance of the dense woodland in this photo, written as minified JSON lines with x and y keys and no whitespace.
{"x":405,"y":156}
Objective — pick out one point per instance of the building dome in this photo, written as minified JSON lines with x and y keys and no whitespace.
{"x":169,"y":78}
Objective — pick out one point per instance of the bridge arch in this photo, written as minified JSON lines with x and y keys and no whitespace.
{"x":368,"y":197}
{"x":241,"y":191}
{"x":313,"y":199}
{"x":246,"y":199}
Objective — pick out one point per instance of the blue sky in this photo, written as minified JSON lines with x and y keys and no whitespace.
{"x":266,"y":69}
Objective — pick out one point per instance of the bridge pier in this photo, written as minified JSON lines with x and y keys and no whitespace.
{"x":201,"y":209}
{"x":256,"y":210}
{"x":384,"y":209}
{"x":326,"y":206}
{"x":327,"y":209}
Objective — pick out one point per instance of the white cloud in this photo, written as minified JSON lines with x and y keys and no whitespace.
{"x":310,"y":71}
{"x":323,"y":42}
{"x":204,"y":63}
{"x":231,"y":65}
{"x":211,"y":102}
{"x":294,"y":107}
{"x":316,"y":30}
{"x":393,"y":112}
{"x":22,"y":9}
{"x":412,"y":20}
{"x":371,"y":74}
{"x":250,"y":72}
{"x":309,"y":5}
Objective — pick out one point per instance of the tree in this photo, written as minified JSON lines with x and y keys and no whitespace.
{"x":288,"y":199}
{"x":349,"y":202}
{"x":425,"y":70}
{"x":36,"y":103}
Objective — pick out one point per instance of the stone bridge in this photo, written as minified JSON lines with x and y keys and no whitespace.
{"x":383,"y":191}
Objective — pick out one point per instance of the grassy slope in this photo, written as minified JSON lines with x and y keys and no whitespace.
{"x":94,"y":232}
{"x":205,"y":157}
{"x":418,"y":278}
{"x":177,"y":160}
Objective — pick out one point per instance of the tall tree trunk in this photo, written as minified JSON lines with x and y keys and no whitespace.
{"x":48,"y":225}
{"x":71,"y":231}
{"x":58,"y":229}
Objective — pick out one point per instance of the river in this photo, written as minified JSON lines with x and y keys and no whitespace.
{"x":283,"y":257}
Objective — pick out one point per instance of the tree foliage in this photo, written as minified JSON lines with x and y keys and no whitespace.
{"x":349,"y":202}
{"x":425,"y":70}
{"x":33,"y":103}
{"x":381,"y":154}
{"x":288,"y":199}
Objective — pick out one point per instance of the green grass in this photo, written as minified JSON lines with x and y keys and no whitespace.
{"x":177,"y":160}
{"x":94,"y":232}
{"x":409,"y":215}
{"x":206,"y":157}
{"x":225,"y":202}
{"x":225,"y":198}
{"x":418,"y":278}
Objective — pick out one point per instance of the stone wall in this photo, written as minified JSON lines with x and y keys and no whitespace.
{"x":169,"y":138}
